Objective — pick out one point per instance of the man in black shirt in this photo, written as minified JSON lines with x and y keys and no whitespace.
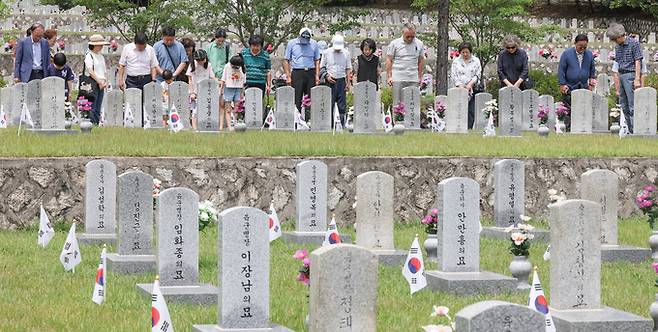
{"x":513,"y":64}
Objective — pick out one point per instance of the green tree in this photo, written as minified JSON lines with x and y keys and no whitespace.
{"x":130,"y":17}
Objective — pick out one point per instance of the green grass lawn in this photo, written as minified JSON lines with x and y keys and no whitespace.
{"x":37,"y":295}
{"x":140,"y":143}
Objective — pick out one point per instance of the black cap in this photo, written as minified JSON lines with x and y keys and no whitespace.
{"x":220,"y":33}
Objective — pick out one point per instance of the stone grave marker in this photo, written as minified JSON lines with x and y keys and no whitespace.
{"x":458,"y":251}
{"x":207,"y":104}
{"x":575,"y":281}
{"x":285,"y":108}
{"x":100,"y":203}
{"x":651,"y":38}
{"x":374,"y":216}
{"x":600,"y":113}
{"x":510,"y":114}
{"x":179,"y":96}
{"x":113,"y":105}
{"x":253,"y":108}
{"x":346,"y":274}
{"x":177,"y":226}
{"x":509,"y":192}
{"x":548,"y":101}
{"x":365,"y":108}
{"x":135,"y":216}
{"x":581,"y":111}
{"x":52,"y":104}
{"x":603,"y":80}
{"x":153,"y":104}
{"x":411,"y":100}
{"x":321,"y":108}
{"x":7,"y":102}
{"x":530,"y":108}
{"x":602,"y":186}
{"x":133,"y":97}
{"x":480,"y":103}
{"x":499,"y":316}
{"x":243,"y":272}
{"x":33,"y":101}
{"x":644,"y":120}
{"x":456,"y":115}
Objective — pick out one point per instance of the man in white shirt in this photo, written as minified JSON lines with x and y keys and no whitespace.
{"x":138,"y":63}
{"x":405,"y":61}
{"x":338,"y":64}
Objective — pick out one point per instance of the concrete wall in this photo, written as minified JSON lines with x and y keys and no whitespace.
{"x":227,"y":182}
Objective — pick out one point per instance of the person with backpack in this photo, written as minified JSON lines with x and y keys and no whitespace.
{"x":171,"y":55}
{"x":218,"y":56}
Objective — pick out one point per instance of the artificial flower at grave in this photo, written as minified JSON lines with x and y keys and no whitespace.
{"x":431,"y":221}
{"x":542,"y":114}
{"x":239,"y":109}
{"x":207,"y":214}
{"x":646,"y":199}
{"x":440,"y":108}
{"x":399,"y":111}
{"x":440,"y":311}
{"x":491,"y":106}
{"x":84,"y":107}
{"x":562,"y":112}
{"x":304,"y":275}
{"x":520,"y":236}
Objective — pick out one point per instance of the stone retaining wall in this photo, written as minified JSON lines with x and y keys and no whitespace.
{"x":227,"y":182}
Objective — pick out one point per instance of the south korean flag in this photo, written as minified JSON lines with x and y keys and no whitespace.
{"x":70,"y":256}
{"x":275,"y":224}
{"x":414,"y":268}
{"x":160,"y":318}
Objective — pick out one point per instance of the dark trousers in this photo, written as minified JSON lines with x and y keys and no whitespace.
{"x":471,"y":111}
{"x":566,"y":100}
{"x":96,"y":105}
{"x":137,"y":81}
{"x":262,"y":87}
{"x":338,"y":96}
{"x":303,"y":81}
{"x":36,"y":74}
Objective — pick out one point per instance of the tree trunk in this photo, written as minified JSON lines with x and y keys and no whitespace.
{"x":441,"y":70}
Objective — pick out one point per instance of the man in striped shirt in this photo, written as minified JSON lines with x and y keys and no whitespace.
{"x":628,"y":54}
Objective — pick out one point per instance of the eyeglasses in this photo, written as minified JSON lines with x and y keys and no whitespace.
{"x":511,"y":47}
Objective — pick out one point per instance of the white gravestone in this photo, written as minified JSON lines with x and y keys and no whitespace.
{"x":456,"y":115}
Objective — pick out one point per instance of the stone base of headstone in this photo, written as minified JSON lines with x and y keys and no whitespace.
{"x":217,"y":328}
{"x":54,"y":131}
{"x":391,"y":257}
{"x":88,"y":238}
{"x":499,"y":233}
{"x":599,"y":320}
{"x":196,"y":294}
{"x":208,"y":132}
{"x":311,"y":237}
{"x":643,"y":136}
{"x":611,"y":253}
{"x":131,"y":264}
{"x":470,"y":283}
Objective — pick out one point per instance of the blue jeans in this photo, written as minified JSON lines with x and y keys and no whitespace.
{"x":338,"y":96}
{"x":627,"y":97}
{"x":96,"y":108}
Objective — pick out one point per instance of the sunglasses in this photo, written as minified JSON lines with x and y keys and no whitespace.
{"x":511,"y":48}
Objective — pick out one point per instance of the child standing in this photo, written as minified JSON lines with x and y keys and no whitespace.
{"x":200,"y":69}
{"x":168,"y":78}
{"x":61,"y":69}
{"x":232,"y":84}
{"x":367,"y":64}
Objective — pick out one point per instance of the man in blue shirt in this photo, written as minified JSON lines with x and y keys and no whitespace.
{"x":302,"y":65}
{"x":171,"y":55}
{"x":576,"y":69}
{"x":628,"y":54}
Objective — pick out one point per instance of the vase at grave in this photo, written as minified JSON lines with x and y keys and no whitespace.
{"x":653,"y":311}
{"x":543,"y":130}
{"x":86,"y":125}
{"x":67,"y":124}
{"x":240,"y":127}
{"x":431,"y":244}
{"x":520,"y":267}
{"x":562,"y":126}
{"x":653,"y":244}
{"x":398,"y":129}
{"x":615,"y":128}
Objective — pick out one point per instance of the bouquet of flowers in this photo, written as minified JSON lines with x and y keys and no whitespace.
{"x":655,"y":268}
{"x":61,"y":44}
{"x":454,"y":54}
{"x":431,"y":221}
{"x":114,"y":45}
{"x":84,"y":107}
{"x":562,"y":112}
{"x":520,"y":238}
{"x":399,"y":111}
{"x":304,"y":275}
{"x":440,"y":311}
{"x":489,"y":107}
{"x":306,"y":104}
{"x":207,"y":215}
{"x":239,"y":110}
{"x":440,"y":108}
{"x":611,"y":56}
{"x":157,"y":186}
{"x":269,"y":48}
{"x":615,"y":111}
{"x":542,"y":115}
{"x":647,"y":200}
{"x":545,"y":53}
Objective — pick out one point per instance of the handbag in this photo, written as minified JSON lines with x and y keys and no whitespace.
{"x":87,"y":86}
{"x":180,"y":77}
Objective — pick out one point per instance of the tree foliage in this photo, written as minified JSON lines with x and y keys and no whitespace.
{"x":647,"y":6}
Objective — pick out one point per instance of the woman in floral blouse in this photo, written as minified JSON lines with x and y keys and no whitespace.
{"x":465,"y":72}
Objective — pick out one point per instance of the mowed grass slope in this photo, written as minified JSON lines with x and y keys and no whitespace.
{"x":37,"y":295}
{"x":153,"y":143}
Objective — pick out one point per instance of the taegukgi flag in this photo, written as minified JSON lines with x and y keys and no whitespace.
{"x":332,"y":236}
{"x":275,"y":224}
{"x":538,"y":302}
{"x":160,"y":318}
{"x":46,"y":231}
{"x":99,"y":287}
{"x":414,"y":268}
{"x":70,"y":256}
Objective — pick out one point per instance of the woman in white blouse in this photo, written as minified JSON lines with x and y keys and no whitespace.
{"x":95,"y":67}
{"x":465,"y":72}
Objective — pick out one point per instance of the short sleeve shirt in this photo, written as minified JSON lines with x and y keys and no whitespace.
{"x":66,"y":73}
{"x":405,"y":59}
{"x":627,"y":53}
{"x":199,"y":74}
{"x":302,"y":55}
{"x":138,"y":63}
{"x":256,"y":66}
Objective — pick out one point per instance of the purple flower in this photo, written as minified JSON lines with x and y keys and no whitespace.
{"x":239,"y":106}
{"x":399,"y":109}
{"x":655,"y":267}
{"x":306,"y":101}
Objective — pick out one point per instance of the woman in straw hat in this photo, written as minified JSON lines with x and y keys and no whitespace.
{"x":96,"y":69}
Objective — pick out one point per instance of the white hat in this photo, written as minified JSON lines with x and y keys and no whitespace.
{"x":303,"y":31}
{"x":338,"y":42}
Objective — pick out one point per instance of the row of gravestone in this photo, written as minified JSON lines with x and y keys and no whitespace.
{"x":244,"y":251}
{"x":44,"y":99}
